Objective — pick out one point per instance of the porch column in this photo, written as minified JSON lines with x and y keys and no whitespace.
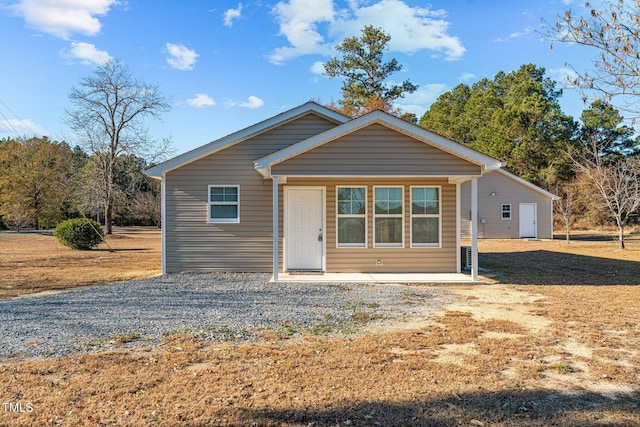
{"x":163,"y":221}
{"x":474,"y":229}
{"x":275,"y":229}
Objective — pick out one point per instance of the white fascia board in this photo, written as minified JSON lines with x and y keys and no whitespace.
{"x":528,"y":184}
{"x":263,"y":165}
{"x":234,"y":138}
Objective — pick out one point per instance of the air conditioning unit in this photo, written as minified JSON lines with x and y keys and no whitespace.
{"x":465,"y":257}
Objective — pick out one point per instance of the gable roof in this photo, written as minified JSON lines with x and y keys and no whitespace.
{"x":527,"y":184}
{"x":244,"y":134}
{"x":264,"y":164}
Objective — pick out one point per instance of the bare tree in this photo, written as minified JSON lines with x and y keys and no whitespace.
{"x":19,"y":215}
{"x":565,"y":205}
{"x":110,"y":108}
{"x":146,"y":205}
{"x":617,"y":185}
{"x":613,"y":30}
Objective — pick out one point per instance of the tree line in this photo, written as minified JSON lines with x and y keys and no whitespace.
{"x":593,"y":163}
{"x":44,"y":182}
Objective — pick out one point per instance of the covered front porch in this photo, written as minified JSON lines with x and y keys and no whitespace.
{"x":374,"y":200}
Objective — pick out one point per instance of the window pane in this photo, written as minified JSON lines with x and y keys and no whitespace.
{"x":351,"y":231}
{"x":224,"y":211}
{"x":223,"y":194}
{"x":395,"y":194}
{"x":344,"y":193}
{"x":359,"y":202}
{"x":351,"y":201}
{"x":230,"y":194}
{"x":425,"y":230}
{"x":432,"y":201}
{"x":395,"y":207}
{"x":425,"y":201}
{"x":217,"y":194}
{"x":388,"y":201}
{"x":382,"y":207}
{"x":389,"y":230}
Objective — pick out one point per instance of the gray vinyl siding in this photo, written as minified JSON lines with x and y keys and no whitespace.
{"x":508,"y":191}
{"x":379,"y":150}
{"x":395,"y":260}
{"x":191,"y":243}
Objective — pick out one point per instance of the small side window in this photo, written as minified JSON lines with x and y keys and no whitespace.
{"x":506,"y":212}
{"x":224,"y":204}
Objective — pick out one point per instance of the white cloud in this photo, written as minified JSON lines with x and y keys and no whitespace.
{"x":317,"y":68}
{"x":564,"y":76}
{"x":251,"y":103}
{"x":412,"y":28}
{"x":299,"y":21}
{"x":16,"y":128}
{"x":231,"y":14}
{"x":425,"y":95}
{"x":181,"y":57}
{"x":63,"y":18}
{"x":515,"y":35}
{"x":418,"y":101}
{"x":201,"y":100}
{"x":86,"y":53}
{"x":467,"y":77}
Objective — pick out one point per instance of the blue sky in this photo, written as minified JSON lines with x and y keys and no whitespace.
{"x":226,"y":64}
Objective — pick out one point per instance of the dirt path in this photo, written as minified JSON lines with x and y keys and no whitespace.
{"x":513,"y":316}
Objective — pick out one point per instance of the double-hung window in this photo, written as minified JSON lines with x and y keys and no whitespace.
{"x":352,"y":217}
{"x":224,"y":203}
{"x":388,"y":217}
{"x":505,"y":212}
{"x":425,"y":217}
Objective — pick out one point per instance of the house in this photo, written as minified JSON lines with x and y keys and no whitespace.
{"x":508,"y":208}
{"x":312,"y":190}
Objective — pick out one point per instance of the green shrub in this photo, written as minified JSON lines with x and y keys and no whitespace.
{"x":79,"y":233}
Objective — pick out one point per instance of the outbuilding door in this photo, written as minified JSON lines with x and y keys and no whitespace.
{"x":528,"y":227}
{"x":304,"y":239}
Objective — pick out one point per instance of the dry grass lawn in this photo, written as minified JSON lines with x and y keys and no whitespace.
{"x":555,"y":340}
{"x":37,"y":262}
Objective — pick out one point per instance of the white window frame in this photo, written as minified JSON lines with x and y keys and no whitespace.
{"x":365,"y":244}
{"x":502,"y":212}
{"x":438,"y":215}
{"x":211,"y":203}
{"x":375,"y":216}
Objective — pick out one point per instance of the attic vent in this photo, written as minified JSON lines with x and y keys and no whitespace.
{"x":465,"y":257}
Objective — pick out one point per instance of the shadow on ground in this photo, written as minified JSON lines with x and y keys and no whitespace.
{"x":512,"y":408}
{"x":540,"y":267}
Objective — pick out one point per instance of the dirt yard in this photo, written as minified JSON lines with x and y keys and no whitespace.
{"x":553,"y":340}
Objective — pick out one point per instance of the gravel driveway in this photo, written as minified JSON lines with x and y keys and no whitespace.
{"x":228,"y":307}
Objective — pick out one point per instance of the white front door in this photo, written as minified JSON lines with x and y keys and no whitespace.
{"x":304,"y":239}
{"x":528,"y":220}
